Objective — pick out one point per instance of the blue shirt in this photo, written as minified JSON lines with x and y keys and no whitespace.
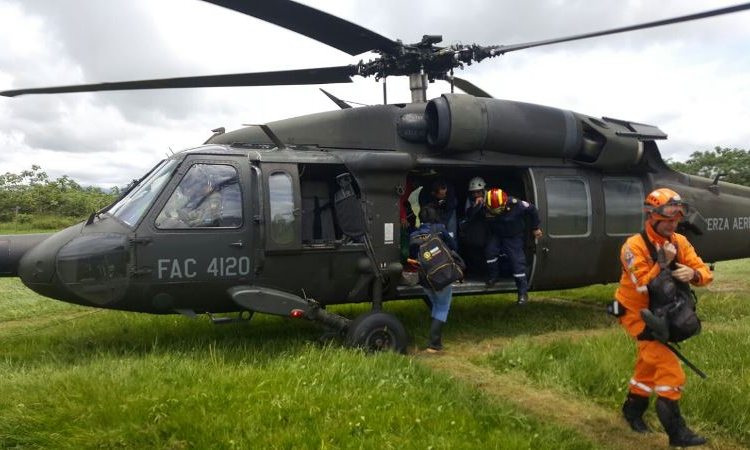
{"x":510,"y":221}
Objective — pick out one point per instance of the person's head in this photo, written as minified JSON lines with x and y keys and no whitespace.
{"x":477,"y":187}
{"x":665,"y":208}
{"x":197,"y":182}
{"x":428,"y":214}
{"x":496,"y":200}
{"x":439,"y":189}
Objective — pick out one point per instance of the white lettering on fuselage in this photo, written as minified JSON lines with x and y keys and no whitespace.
{"x":725,"y":224}
{"x":178,"y":269}
{"x":741,"y":223}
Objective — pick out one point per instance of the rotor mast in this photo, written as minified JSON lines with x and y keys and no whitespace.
{"x":418,"y":87}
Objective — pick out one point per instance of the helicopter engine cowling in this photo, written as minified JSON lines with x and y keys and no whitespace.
{"x":463,"y":123}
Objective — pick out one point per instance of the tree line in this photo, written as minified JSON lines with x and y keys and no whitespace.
{"x":733,"y":162}
{"x":32,"y":193}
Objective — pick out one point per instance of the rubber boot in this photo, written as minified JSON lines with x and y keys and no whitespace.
{"x":523,"y":288}
{"x":436,"y":334}
{"x":671,"y":419}
{"x":633,"y":409}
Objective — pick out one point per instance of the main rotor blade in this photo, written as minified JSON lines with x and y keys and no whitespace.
{"x":323,"y":75}
{"x":658,"y":23}
{"x":326,"y":28}
{"x":470,"y":88}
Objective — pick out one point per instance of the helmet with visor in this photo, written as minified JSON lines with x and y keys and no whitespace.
{"x":665,"y":204}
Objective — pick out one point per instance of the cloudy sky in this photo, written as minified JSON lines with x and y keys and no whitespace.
{"x":692,"y":80}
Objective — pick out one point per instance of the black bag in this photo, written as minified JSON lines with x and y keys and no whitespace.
{"x":438,"y":263}
{"x":671,"y":311}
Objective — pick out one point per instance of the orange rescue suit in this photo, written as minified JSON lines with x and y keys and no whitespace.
{"x":657,"y":369}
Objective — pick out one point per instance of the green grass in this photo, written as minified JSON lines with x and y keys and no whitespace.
{"x":599,"y":366}
{"x":74,"y":377}
{"x":38,"y":224}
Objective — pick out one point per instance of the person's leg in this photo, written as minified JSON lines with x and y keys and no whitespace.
{"x":669,"y":379}
{"x":491,"y":253}
{"x":641,"y":387}
{"x":441,"y":302}
{"x":513,"y":247}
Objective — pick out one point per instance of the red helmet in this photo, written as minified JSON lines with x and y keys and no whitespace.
{"x":496,"y":200}
{"x":665,"y":204}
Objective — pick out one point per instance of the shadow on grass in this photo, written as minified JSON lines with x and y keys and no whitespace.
{"x":266,"y":338}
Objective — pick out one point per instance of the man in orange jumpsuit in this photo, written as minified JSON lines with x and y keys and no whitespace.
{"x":657,"y":369}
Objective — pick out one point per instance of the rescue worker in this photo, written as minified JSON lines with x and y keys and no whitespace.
{"x":442,"y":197}
{"x":506,"y":217}
{"x":657,"y":369}
{"x":474,"y":228}
{"x":441,"y":300}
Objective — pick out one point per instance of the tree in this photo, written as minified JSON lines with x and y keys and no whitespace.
{"x":733,"y":162}
{"x":32,"y":192}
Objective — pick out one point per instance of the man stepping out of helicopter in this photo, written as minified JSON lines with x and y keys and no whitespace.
{"x":506,"y":216}
{"x":657,"y":370}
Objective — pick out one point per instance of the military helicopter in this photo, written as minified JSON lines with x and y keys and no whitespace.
{"x":291,"y":216}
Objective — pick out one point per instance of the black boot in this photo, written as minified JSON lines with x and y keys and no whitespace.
{"x":633,"y":409}
{"x":523,"y":287}
{"x":436,"y":333}
{"x":671,"y":419}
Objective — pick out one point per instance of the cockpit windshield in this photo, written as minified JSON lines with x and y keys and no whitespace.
{"x":131,"y":208}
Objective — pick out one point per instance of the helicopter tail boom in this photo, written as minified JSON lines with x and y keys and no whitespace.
{"x":13,"y":247}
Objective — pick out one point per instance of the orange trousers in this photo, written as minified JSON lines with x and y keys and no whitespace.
{"x":657,"y":370}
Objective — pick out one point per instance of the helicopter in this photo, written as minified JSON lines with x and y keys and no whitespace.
{"x":291,"y":216}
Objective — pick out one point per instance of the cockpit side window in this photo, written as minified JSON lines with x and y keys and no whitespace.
{"x":208,"y":196}
{"x":134,"y":205}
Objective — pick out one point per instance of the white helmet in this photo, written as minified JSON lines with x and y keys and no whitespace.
{"x":477,"y":184}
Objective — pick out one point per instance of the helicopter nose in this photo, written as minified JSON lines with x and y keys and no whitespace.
{"x":37,"y":265}
{"x":12,"y":249}
{"x":91,"y":266}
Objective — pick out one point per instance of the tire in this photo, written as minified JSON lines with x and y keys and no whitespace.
{"x":377,"y":331}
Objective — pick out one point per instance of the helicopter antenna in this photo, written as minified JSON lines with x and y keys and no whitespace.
{"x":340,"y":103}
{"x":269,"y":132}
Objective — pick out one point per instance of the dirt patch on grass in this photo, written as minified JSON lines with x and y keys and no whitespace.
{"x":29,"y":325}
{"x":597,"y":423}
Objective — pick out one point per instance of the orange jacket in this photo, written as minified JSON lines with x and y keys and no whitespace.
{"x":638,"y":269}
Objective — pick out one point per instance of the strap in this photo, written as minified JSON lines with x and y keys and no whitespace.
{"x":649,"y":245}
{"x":653,"y":253}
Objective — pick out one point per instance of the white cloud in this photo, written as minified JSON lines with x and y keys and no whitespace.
{"x":688,"y":79}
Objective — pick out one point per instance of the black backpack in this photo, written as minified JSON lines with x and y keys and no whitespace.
{"x":439,"y":266}
{"x":671,"y":311}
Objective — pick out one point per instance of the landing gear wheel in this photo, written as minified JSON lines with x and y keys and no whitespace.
{"x":377,"y":331}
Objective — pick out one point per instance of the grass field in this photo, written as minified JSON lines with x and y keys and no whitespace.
{"x":551,"y":375}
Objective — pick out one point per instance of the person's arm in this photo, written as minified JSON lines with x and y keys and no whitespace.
{"x":533,"y":214}
{"x":634,"y":257}
{"x":448,"y":239}
{"x":690,"y":266}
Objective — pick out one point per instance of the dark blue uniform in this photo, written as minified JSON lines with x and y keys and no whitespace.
{"x":508,"y":232}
